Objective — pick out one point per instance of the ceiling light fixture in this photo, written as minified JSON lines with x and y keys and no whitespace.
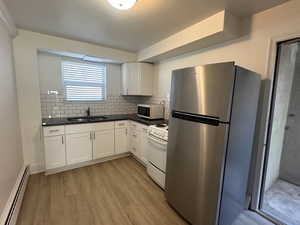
{"x":122,"y":4}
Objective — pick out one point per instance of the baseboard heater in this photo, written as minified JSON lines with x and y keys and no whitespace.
{"x":16,"y":199}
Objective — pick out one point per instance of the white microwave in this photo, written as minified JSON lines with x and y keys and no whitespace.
{"x":151,"y":112}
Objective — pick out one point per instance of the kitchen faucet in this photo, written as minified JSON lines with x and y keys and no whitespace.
{"x":88,"y":112}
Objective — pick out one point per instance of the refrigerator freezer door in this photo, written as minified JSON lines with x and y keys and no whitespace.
{"x":205,"y":90}
{"x":240,"y":150}
{"x":195,"y":162}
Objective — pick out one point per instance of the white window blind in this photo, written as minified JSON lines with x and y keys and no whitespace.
{"x":84,"y":81}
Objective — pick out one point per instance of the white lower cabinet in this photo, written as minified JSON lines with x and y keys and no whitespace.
{"x":135,"y":142}
{"x":138,"y":141}
{"x":55,"y":152}
{"x":103,"y":144}
{"x":144,"y":143}
{"x":72,"y":144}
{"x":79,"y":147}
{"x":121,"y":140}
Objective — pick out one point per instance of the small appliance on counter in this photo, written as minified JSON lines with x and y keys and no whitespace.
{"x":151,"y":111}
{"x":157,"y":153}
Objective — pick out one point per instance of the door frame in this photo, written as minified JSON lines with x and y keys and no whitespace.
{"x":266,"y":122}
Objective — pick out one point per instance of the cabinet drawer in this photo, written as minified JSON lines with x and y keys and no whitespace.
{"x":121,"y":124}
{"x":78,"y":128}
{"x":53,"y":131}
{"x":103,"y":126}
{"x":134,"y":125}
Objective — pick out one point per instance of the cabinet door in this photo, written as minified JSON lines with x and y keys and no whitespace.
{"x":133,"y":79}
{"x":129,"y":132}
{"x":55,"y":152}
{"x":125,"y":78}
{"x":146,"y":73}
{"x":135,"y":143}
{"x":121,"y":140}
{"x":79,"y":147}
{"x":130,"y":79}
{"x":104,"y":144}
{"x":137,"y":79}
{"x":144,"y":144}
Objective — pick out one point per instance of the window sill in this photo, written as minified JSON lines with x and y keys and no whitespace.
{"x":85,"y":101}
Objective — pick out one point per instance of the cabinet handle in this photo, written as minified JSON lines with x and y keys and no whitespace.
{"x":52,"y":131}
{"x":91,"y":138}
{"x":62,"y":140}
{"x":126,"y":131}
{"x":94,"y":135}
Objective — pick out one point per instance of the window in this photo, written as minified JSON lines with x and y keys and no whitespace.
{"x":84,"y":81}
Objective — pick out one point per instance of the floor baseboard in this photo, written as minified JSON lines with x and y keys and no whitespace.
{"x":88,"y":163}
{"x":13,"y":205}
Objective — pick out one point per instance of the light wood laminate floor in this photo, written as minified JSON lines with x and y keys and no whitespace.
{"x":118,"y":192}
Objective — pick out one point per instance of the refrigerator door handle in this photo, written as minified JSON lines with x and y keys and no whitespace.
{"x":195,"y":118}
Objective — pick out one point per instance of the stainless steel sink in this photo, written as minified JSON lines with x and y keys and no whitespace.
{"x":97,"y":118}
{"x":86,"y":119}
{"x":78,"y":119}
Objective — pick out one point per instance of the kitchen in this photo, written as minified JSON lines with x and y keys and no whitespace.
{"x":97,"y":113}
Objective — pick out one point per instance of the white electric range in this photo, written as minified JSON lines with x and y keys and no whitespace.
{"x":157,"y":153}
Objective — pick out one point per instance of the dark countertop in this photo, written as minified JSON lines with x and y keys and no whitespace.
{"x":64,"y":121}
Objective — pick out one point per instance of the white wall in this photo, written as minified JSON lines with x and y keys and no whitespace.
{"x":26,"y":46}
{"x":11,"y":160}
{"x":50,"y":76}
{"x":251,"y":51}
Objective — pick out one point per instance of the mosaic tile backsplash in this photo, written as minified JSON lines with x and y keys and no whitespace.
{"x":56,"y":106}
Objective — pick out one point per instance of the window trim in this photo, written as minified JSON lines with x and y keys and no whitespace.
{"x":92,"y":85}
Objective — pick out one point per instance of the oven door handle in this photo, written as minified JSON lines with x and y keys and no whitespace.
{"x":157,"y":140}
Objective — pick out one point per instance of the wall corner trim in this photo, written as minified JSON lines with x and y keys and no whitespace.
{"x":7,"y":20}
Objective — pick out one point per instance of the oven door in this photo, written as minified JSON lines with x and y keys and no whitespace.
{"x":157,"y":152}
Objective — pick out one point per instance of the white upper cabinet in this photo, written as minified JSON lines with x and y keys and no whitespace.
{"x":137,"y":79}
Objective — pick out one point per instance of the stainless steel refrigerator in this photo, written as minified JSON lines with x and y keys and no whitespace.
{"x":211,"y":133}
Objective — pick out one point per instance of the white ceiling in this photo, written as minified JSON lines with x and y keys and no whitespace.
{"x":95,"y":21}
